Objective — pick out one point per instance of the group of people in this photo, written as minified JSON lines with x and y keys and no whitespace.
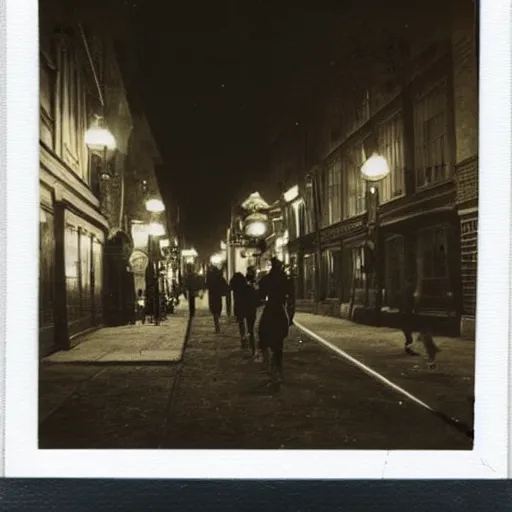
{"x":273,"y":292}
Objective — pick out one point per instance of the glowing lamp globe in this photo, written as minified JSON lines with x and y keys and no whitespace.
{"x":216,"y":259}
{"x":256,"y":229}
{"x":155,"y":206}
{"x":376,"y":168}
{"x":98,"y":137}
{"x":156,"y":229}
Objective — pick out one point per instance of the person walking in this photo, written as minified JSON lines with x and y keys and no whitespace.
{"x":217,"y":288}
{"x":240,"y":288}
{"x":252,"y":304}
{"x":191,"y":286}
{"x":408,"y":308}
{"x":274,"y":323}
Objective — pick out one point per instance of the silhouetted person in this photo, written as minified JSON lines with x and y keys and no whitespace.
{"x":274,"y":323}
{"x":217,"y":288}
{"x":191,"y":286}
{"x":238,"y":285}
{"x":251,"y":307}
{"x":408,"y":308}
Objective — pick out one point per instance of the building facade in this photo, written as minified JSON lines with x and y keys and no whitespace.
{"x":424,"y":121}
{"x":82,"y":191}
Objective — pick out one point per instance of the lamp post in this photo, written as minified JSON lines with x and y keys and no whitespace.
{"x":154,"y":207}
{"x":374,"y":170}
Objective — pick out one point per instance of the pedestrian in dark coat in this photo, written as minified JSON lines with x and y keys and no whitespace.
{"x":407,"y":310}
{"x":240,"y":288}
{"x":252,"y":304}
{"x":191,"y":287}
{"x":274,"y":323}
{"x":217,"y":288}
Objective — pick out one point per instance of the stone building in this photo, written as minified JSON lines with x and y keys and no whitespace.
{"x":82,"y":190}
{"x":417,"y":106}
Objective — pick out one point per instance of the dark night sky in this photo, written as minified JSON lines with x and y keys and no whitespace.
{"x":213,"y":75}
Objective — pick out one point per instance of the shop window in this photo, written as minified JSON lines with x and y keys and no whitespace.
{"x":333,"y":273}
{"x":309,"y":277}
{"x":97,"y":255}
{"x":434,"y":283}
{"x":391,"y":143}
{"x":430,"y":134}
{"x":85,"y":273}
{"x":394,"y":270}
{"x":46,"y":267}
{"x":72,"y":270}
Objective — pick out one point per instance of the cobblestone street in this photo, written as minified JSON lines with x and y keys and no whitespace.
{"x":218,"y":398}
{"x":224,"y":401}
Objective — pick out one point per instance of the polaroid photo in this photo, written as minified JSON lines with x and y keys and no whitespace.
{"x":257,"y":239}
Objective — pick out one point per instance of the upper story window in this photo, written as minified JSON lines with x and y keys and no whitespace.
{"x":333,"y":205}
{"x":430,"y":136}
{"x":391,"y":143}
{"x":353,"y":185}
{"x":47,"y":97}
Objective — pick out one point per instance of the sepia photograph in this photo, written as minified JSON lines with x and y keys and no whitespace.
{"x":258,"y":224}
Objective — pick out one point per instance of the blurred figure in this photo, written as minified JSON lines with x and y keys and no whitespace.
{"x":407,"y":310}
{"x":252,"y":306}
{"x":274,"y":323}
{"x":140,"y":308}
{"x":191,"y":288}
{"x":238,"y":285}
{"x":217,"y":288}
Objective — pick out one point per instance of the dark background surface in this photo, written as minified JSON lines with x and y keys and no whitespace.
{"x":421,"y":495}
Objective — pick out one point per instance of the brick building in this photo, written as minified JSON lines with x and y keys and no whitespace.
{"x":417,"y":106}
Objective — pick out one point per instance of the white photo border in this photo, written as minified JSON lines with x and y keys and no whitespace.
{"x":489,"y":458}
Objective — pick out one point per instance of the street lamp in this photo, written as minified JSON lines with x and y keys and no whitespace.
{"x":256,"y":225}
{"x":155,"y":229}
{"x":155,"y":206}
{"x":98,"y":138}
{"x":374,"y":170}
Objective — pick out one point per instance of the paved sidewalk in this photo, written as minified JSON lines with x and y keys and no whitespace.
{"x":448,"y":389}
{"x":135,"y":344}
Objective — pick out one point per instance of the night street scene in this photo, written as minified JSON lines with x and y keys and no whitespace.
{"x":258,"y":224}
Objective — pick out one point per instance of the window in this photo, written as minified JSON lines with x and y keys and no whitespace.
{"x":434,"y":283}
{"x":430,"y":134}
{"x":309,"y":210}
{"x":394,"y":270}
{"x":334,"y":193}
{"x":309,"y":277}
{"x":85,"y":273}
{"x":73,"y":115}
{"x":354,"y":187}
{"x":391,"y":142}
{"x":46,"y":101}
{"x":97,"y":256}
{"x":72,"y":268}
{"x":333,"y":273}
{"x":46,"y":267}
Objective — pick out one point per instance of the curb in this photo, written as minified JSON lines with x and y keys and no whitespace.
{"x":461,"y":427}
{"x":175,"y":384}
